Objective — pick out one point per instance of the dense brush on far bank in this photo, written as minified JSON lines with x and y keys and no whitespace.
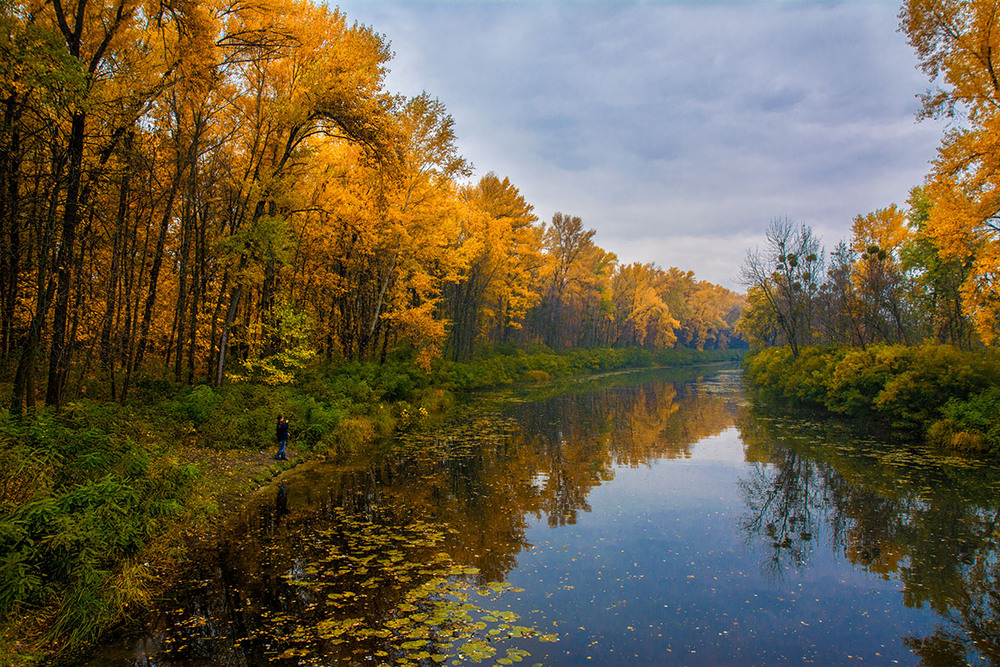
{"x":948,"y":395}
{"x":93,"y":497}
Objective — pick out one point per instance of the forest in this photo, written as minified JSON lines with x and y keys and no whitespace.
{"x":203,"y":191}
{"x":901,"y":323}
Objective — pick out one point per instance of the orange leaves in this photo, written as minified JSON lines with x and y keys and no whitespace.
{"x":959,"y":42}
{"x":503,"y":252}
{"x":640,"y":308}
{"x":981,"y":294}
{"x":885,"y":229}
{"x":231,"y":157}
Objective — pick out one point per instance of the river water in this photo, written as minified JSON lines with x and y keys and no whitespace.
{"x":654,"y":518}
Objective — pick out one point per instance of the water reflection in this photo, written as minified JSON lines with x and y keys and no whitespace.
{"x":903,"y":513}
{"x":401,"y":557}
{"x":289,"y":582}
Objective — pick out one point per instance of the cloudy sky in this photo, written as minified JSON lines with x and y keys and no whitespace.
{"x":677,"y":130}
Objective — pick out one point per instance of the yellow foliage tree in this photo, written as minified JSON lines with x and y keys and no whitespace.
{"x":958,"y":43}
{"x":877,"y":275}
{"x":503,"y":247}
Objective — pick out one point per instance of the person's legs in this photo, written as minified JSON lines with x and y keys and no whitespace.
{"x":281,"y":449}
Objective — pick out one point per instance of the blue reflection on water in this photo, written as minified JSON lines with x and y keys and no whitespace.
{"x":659,"y":572}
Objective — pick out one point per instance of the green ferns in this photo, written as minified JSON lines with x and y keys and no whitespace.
{"x":77,"y":503}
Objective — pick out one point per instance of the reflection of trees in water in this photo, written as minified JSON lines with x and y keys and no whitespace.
{"x":783,"y":500}
{"x":482,"y":476}
{"x":320,"y":579}
{"x":576,"y":441}
{"x":896,"y":514}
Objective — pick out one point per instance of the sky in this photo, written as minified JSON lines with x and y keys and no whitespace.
{"x":676,"y":130}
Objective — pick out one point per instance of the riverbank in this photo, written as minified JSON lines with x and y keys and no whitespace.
{"x":101,"y":500}
{"x":949,"y":396}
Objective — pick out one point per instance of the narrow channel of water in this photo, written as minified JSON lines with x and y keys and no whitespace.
{"x":640,"y":519}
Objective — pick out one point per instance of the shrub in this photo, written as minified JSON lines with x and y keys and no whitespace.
{"x":767,"y":369}
{"x":317,"y":420}
{"x":353,"y":433}
{"x":197,"y":405}
{"x":977,"y":416}
{"x":537,"y":376}
{"x":244,"y":417}
{"x":857,"y":380}
{"x":435,"y":400}
{"x":808,"y":382}
{"x":951,"y":395}
{"x":926,"y":378}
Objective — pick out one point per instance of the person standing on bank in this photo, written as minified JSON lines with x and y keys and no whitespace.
{"x":282,"y":435}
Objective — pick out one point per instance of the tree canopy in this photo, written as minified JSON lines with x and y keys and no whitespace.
{"x":215,"y":190}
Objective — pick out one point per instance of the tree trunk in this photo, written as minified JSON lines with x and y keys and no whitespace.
{"x":154,"y":271}
{"x":234,"y":303}
{"x":58,"y":354}
{"x":107,"y":355}
{"x":10,"y":224}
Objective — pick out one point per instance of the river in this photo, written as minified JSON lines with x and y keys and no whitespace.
{"x":653,"y":518}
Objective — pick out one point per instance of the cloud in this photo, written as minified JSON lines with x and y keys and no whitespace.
{"x":678,"y":128}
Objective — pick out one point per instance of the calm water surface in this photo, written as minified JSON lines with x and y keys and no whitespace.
{"x":639,"y":519}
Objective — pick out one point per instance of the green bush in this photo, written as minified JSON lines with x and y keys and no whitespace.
{"x":318,"y":420}
{"x":767,"y":370}
{"x":857,"y":379}
{"x":939,"y":390}
{"x":810,"y":383}
{"x":926,"y":378}
{"x":198,"y":405}
{"x":972,"y":423}
{"x":244,"y":416}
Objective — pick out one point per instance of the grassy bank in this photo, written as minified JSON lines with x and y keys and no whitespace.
{"x":947,"y":395}
{"x":507,"y":365}
{"x":98,"y":500}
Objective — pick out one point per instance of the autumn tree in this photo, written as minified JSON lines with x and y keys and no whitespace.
{"x":879,"y":295}
{"x":502,"y":245}
{"x":420,"y":230}
{"x":640,"y":311}
{"x":956,"y":42}
{"x":115,"y":59}
{"x":380,"y":239}
{"x":706,"y":313}
{"x":758,"y":324}
{"x":311,"y":75}
{"x":840,"y":320}
{"x":576,"y":275}
{"x":935,"y":282}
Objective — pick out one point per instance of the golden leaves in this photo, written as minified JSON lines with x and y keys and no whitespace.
{"x":960,"y":42}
